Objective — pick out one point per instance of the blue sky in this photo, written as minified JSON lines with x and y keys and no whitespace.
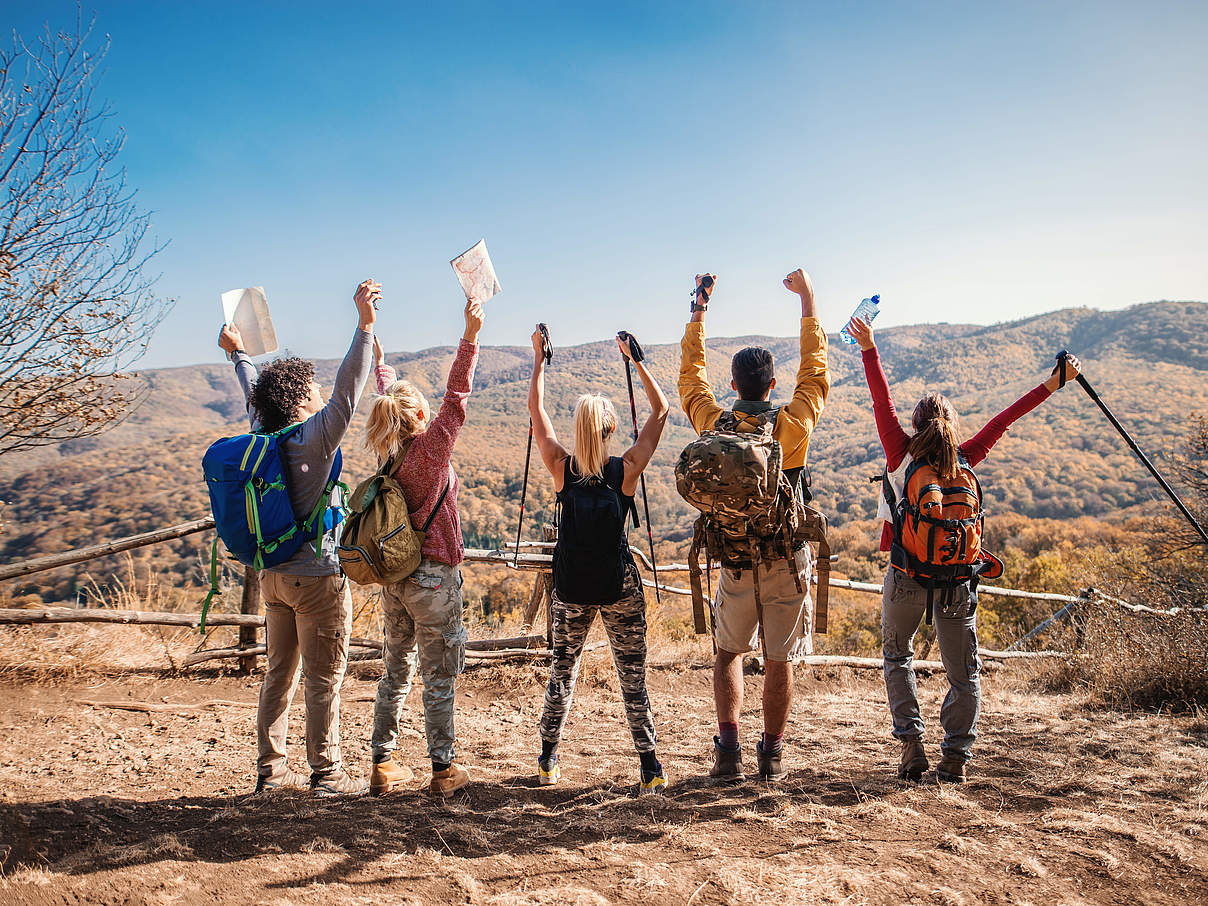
{"x":970,"y":162}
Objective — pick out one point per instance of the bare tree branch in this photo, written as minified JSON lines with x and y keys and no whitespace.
{"x":76,"y":309}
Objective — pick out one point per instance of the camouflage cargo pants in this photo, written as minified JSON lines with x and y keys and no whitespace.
{"x":421,"y":613}
{"x":625,"y":623}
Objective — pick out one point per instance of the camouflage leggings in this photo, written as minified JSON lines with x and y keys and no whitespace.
{"x":625,"y":622}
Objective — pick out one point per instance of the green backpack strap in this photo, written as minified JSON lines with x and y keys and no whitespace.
{"x":205,"y":605}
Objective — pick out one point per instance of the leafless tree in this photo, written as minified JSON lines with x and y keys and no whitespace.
{"x":76,"y":310}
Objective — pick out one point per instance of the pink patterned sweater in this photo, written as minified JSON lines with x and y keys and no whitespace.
{"x":427,"y":465}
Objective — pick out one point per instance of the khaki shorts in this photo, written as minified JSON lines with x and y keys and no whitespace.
{"x":788,"y":614}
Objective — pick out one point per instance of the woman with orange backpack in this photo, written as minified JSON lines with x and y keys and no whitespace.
{"x":931,"y":502}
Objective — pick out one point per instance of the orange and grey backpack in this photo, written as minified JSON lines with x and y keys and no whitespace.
{"x":937,"y":528}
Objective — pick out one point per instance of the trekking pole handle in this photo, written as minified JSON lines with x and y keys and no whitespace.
{"x":547,"y":348}
{"x":635,"y":349}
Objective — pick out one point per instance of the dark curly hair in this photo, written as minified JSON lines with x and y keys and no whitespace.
{"x":282,"y":387}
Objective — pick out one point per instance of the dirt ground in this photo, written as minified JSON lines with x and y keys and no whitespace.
{"x":1065,"y":805}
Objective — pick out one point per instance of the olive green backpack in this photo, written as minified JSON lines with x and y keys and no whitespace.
{"x":379,"y":545}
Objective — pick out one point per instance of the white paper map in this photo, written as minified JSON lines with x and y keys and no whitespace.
{"x":247,"y":309}
{"x":475,"y":273}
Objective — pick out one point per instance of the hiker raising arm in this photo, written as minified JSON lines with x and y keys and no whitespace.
{"x":929,"y":487}
{"x":308,"y":606}
{"x":553,"y":454}
{"x":777,"y":611}
{"x":593,"y":567}
{"x":638,"y":456}
{"x":423,"y":612}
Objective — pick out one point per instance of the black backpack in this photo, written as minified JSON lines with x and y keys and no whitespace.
{"x":592,"y":554}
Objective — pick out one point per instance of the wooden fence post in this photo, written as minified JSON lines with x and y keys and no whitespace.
{"x":249,"y":604}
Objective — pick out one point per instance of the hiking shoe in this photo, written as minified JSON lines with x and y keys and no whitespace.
{"x":447,"y":782}
{"x":770,"y":768}
{"x":389,"y":776}
{"x":914,"y":760}
{"x":337,"y":784}
{"x":548,"y":772}
{"x":656,"y":784}
{"x":286,"y":780}
{"x":951,"y":769}
{"x":727,"y":763}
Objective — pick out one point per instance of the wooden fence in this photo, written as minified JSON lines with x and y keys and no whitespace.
{"x":531,"y":556}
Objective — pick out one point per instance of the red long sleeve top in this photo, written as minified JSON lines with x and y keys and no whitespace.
{"x":427,"y":465}
{"x":895,"y":440}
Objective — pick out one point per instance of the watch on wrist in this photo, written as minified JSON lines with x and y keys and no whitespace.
{"x":697,"y":307}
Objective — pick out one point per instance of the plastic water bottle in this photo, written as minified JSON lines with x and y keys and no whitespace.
{"x":866,"y":311}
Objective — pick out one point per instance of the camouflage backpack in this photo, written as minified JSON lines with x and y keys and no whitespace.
{"x":749,"y":510}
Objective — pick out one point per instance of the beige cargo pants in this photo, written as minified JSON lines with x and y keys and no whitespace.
{"x":308,"y":621}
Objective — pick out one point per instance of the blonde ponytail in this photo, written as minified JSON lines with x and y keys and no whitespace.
{"x":595,"y":422}
{"x":394,"y":418}
{"x":937,"y":435}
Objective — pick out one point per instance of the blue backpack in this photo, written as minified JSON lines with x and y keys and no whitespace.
{"x":245,"y":476}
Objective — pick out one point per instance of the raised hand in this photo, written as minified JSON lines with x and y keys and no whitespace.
{"x":378,"y":355}
{"x":229,"y":339}
{"x":474,"y":318}
{"x":538,"y":344}
{"x":1073,"y":368}
{"x":861,"y":331}
{"x":367,"y":296}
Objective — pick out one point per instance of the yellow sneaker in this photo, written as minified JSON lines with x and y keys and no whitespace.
{"x":548,"y":772}
{"x":657,"y":784}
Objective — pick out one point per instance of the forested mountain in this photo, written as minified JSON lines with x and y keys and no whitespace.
{"x":1148,"y":362}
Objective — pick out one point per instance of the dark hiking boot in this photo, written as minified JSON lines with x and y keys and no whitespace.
{"x":286,"y":780}
{"x":727,"y":763}
{"x":770,"y":768}
{"x":914,"y":760}
{"x":951,"y":769}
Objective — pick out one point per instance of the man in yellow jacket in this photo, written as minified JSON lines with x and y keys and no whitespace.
{"x":787,"y":612}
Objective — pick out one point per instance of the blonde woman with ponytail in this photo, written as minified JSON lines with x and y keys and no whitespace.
{"x":936,"y":442}
{"x":593,"y":567}
{"x":422,"y":614}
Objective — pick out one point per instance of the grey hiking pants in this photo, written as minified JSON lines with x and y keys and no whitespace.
{"x":903,"y":604}
{"x":625,"y":622}
{"x":423,"y":612}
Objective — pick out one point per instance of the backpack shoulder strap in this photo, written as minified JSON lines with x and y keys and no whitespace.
{"x":436,"y":509}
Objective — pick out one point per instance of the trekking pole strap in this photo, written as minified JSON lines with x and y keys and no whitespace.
{"x":633,"y":412}
{"x":528,"y":454}
{"x":698,"y":599}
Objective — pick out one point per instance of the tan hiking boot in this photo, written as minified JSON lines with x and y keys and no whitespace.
{"x":447,"y":782}
{"x":914,"y":760}
{"x":389,"y":776}
{"x":337,"y":784}
{"x":950,"y":770}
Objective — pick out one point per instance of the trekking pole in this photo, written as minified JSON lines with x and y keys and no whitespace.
{"x":1090,"y":391}
{"x":547,"y":349}
{"x":636,"y":351}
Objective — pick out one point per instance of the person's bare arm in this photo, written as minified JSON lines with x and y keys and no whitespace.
{"x":637,"y":457}
{"x":553,"y":454}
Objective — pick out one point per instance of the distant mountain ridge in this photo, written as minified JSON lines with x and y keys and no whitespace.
{"x":1150,"y":363}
